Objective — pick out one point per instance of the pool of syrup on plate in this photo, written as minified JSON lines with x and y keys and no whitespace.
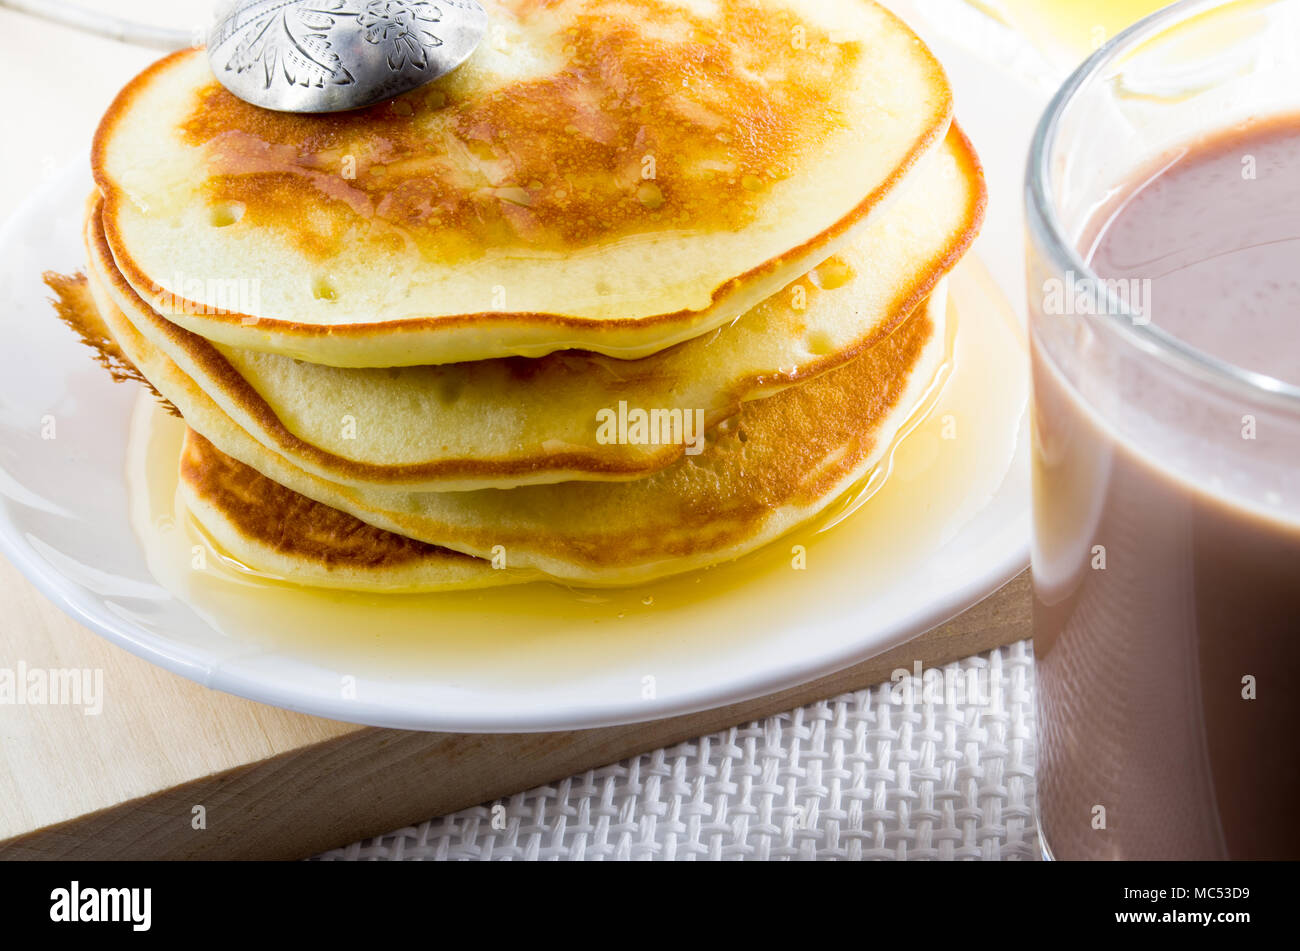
{"x":946,"y":463}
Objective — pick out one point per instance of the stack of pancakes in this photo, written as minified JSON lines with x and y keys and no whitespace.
{"x":641,"y":287}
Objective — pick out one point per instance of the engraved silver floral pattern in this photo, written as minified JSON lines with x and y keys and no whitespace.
{"x":291,"y":38}
{"x":338,"y":54}
{"x":402,"y":28}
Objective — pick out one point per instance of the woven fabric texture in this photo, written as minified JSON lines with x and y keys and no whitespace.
{"x":935,"y":767}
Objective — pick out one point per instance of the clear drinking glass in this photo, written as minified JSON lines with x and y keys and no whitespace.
{"x":1166,"y":555}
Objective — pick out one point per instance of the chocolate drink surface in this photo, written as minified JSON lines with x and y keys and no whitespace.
{"x":1167,"y":616}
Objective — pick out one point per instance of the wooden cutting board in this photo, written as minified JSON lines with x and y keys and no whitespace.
{"x":271,"y":784}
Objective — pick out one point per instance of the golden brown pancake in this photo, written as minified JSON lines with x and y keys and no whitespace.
{"x":777,"y":464}
{"x":609,"y":175}
{"x":75,"y":307}
{"x":278,"y":533}
{"x":509,"y":422}
{"x":274,"y":531}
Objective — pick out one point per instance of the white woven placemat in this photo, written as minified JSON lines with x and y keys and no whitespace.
{"x":945,"y":773}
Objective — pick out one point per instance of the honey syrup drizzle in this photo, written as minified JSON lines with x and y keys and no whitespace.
{"x":927,"y":485}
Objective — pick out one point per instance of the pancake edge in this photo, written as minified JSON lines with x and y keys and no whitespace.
{"x":227,"y":436}
{"x":446,"y":338}
{"x":469,"y":474}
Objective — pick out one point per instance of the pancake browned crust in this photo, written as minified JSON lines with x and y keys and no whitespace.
{"x":779,"y":463}
{"x":280,"y":534}
{"x":273,"y":530}
{"x":76,"y":308}
{"x":510,"y":422}
{"x":609,"y":175}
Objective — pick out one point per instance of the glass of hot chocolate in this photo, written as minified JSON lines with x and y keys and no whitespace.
{"x":1163,"y":203}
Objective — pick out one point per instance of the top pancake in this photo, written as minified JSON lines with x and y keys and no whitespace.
{"x":610,"y":175}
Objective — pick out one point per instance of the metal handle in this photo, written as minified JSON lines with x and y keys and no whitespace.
{"x":103,"y":24}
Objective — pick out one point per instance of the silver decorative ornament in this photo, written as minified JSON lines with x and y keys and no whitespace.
{"x":333,"y":55}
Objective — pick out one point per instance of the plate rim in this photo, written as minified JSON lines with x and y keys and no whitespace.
{"x":81,"y":605}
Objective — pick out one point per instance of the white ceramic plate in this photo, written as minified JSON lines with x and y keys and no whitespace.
{"x":487,"y":666}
